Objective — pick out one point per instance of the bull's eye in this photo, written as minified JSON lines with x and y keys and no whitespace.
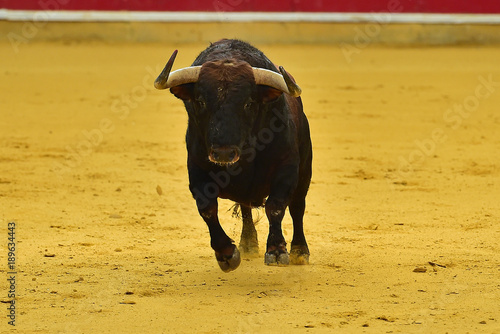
{"x":249,"y":105}
{"x":201,"y":103}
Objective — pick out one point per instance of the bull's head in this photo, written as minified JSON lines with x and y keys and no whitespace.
{"x":223,"y":98}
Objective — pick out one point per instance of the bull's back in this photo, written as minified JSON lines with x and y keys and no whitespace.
{"x":234,"y":49}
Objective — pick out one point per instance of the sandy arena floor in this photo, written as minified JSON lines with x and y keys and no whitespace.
{"x":403,"y":215}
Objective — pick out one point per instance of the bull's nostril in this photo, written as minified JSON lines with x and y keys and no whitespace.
{"x":235,"y":154}
{"x":225,"y":155}
{"x":214,"y":155}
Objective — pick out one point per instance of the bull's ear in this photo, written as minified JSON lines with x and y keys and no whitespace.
{"x":184,"y":92}
{"x":269,"y":94}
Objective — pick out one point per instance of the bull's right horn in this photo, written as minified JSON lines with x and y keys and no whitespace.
{"x":273,"y":79}
{"x":179,"y":77}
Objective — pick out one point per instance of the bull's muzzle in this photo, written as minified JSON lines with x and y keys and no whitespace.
{"x":224,"y":155}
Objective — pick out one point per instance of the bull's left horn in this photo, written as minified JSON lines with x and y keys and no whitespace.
{"x":179,"y":77}
{"x":273,"y":79}
{"x":293,"y":88}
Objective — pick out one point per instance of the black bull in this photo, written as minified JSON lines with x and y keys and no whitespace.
{"x":248,"y":141}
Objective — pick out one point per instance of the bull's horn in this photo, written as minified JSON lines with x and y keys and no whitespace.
{"x":281,"y":82}
{"x":179,"y":77}
{"x":190,"y":74}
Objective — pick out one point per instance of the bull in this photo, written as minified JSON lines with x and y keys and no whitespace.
{"x":248,"y":141}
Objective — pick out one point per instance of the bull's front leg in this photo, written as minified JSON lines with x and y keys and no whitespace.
{"x":282,"y":189}
{"x":276,"y":252}
{"x":226,"y":253}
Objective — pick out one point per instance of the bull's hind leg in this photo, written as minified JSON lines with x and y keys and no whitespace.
{"x":248,"y":243}
{"x":299,"y":252}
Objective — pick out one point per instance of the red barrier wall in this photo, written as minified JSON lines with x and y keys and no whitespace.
{"x":403,"y":6}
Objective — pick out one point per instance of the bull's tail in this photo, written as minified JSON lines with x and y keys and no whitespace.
{"x":236,"y":208}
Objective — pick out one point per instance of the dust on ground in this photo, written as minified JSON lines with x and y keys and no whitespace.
{"x":402,"y":215}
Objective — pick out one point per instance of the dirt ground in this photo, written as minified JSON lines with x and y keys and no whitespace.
{"x":402,"y":220}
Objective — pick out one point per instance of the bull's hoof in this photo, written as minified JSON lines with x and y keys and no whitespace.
{"x":229,"y":262}
{"x":276,"y":258}
{"x":299,"y":255}
{"x":299,"y":259}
